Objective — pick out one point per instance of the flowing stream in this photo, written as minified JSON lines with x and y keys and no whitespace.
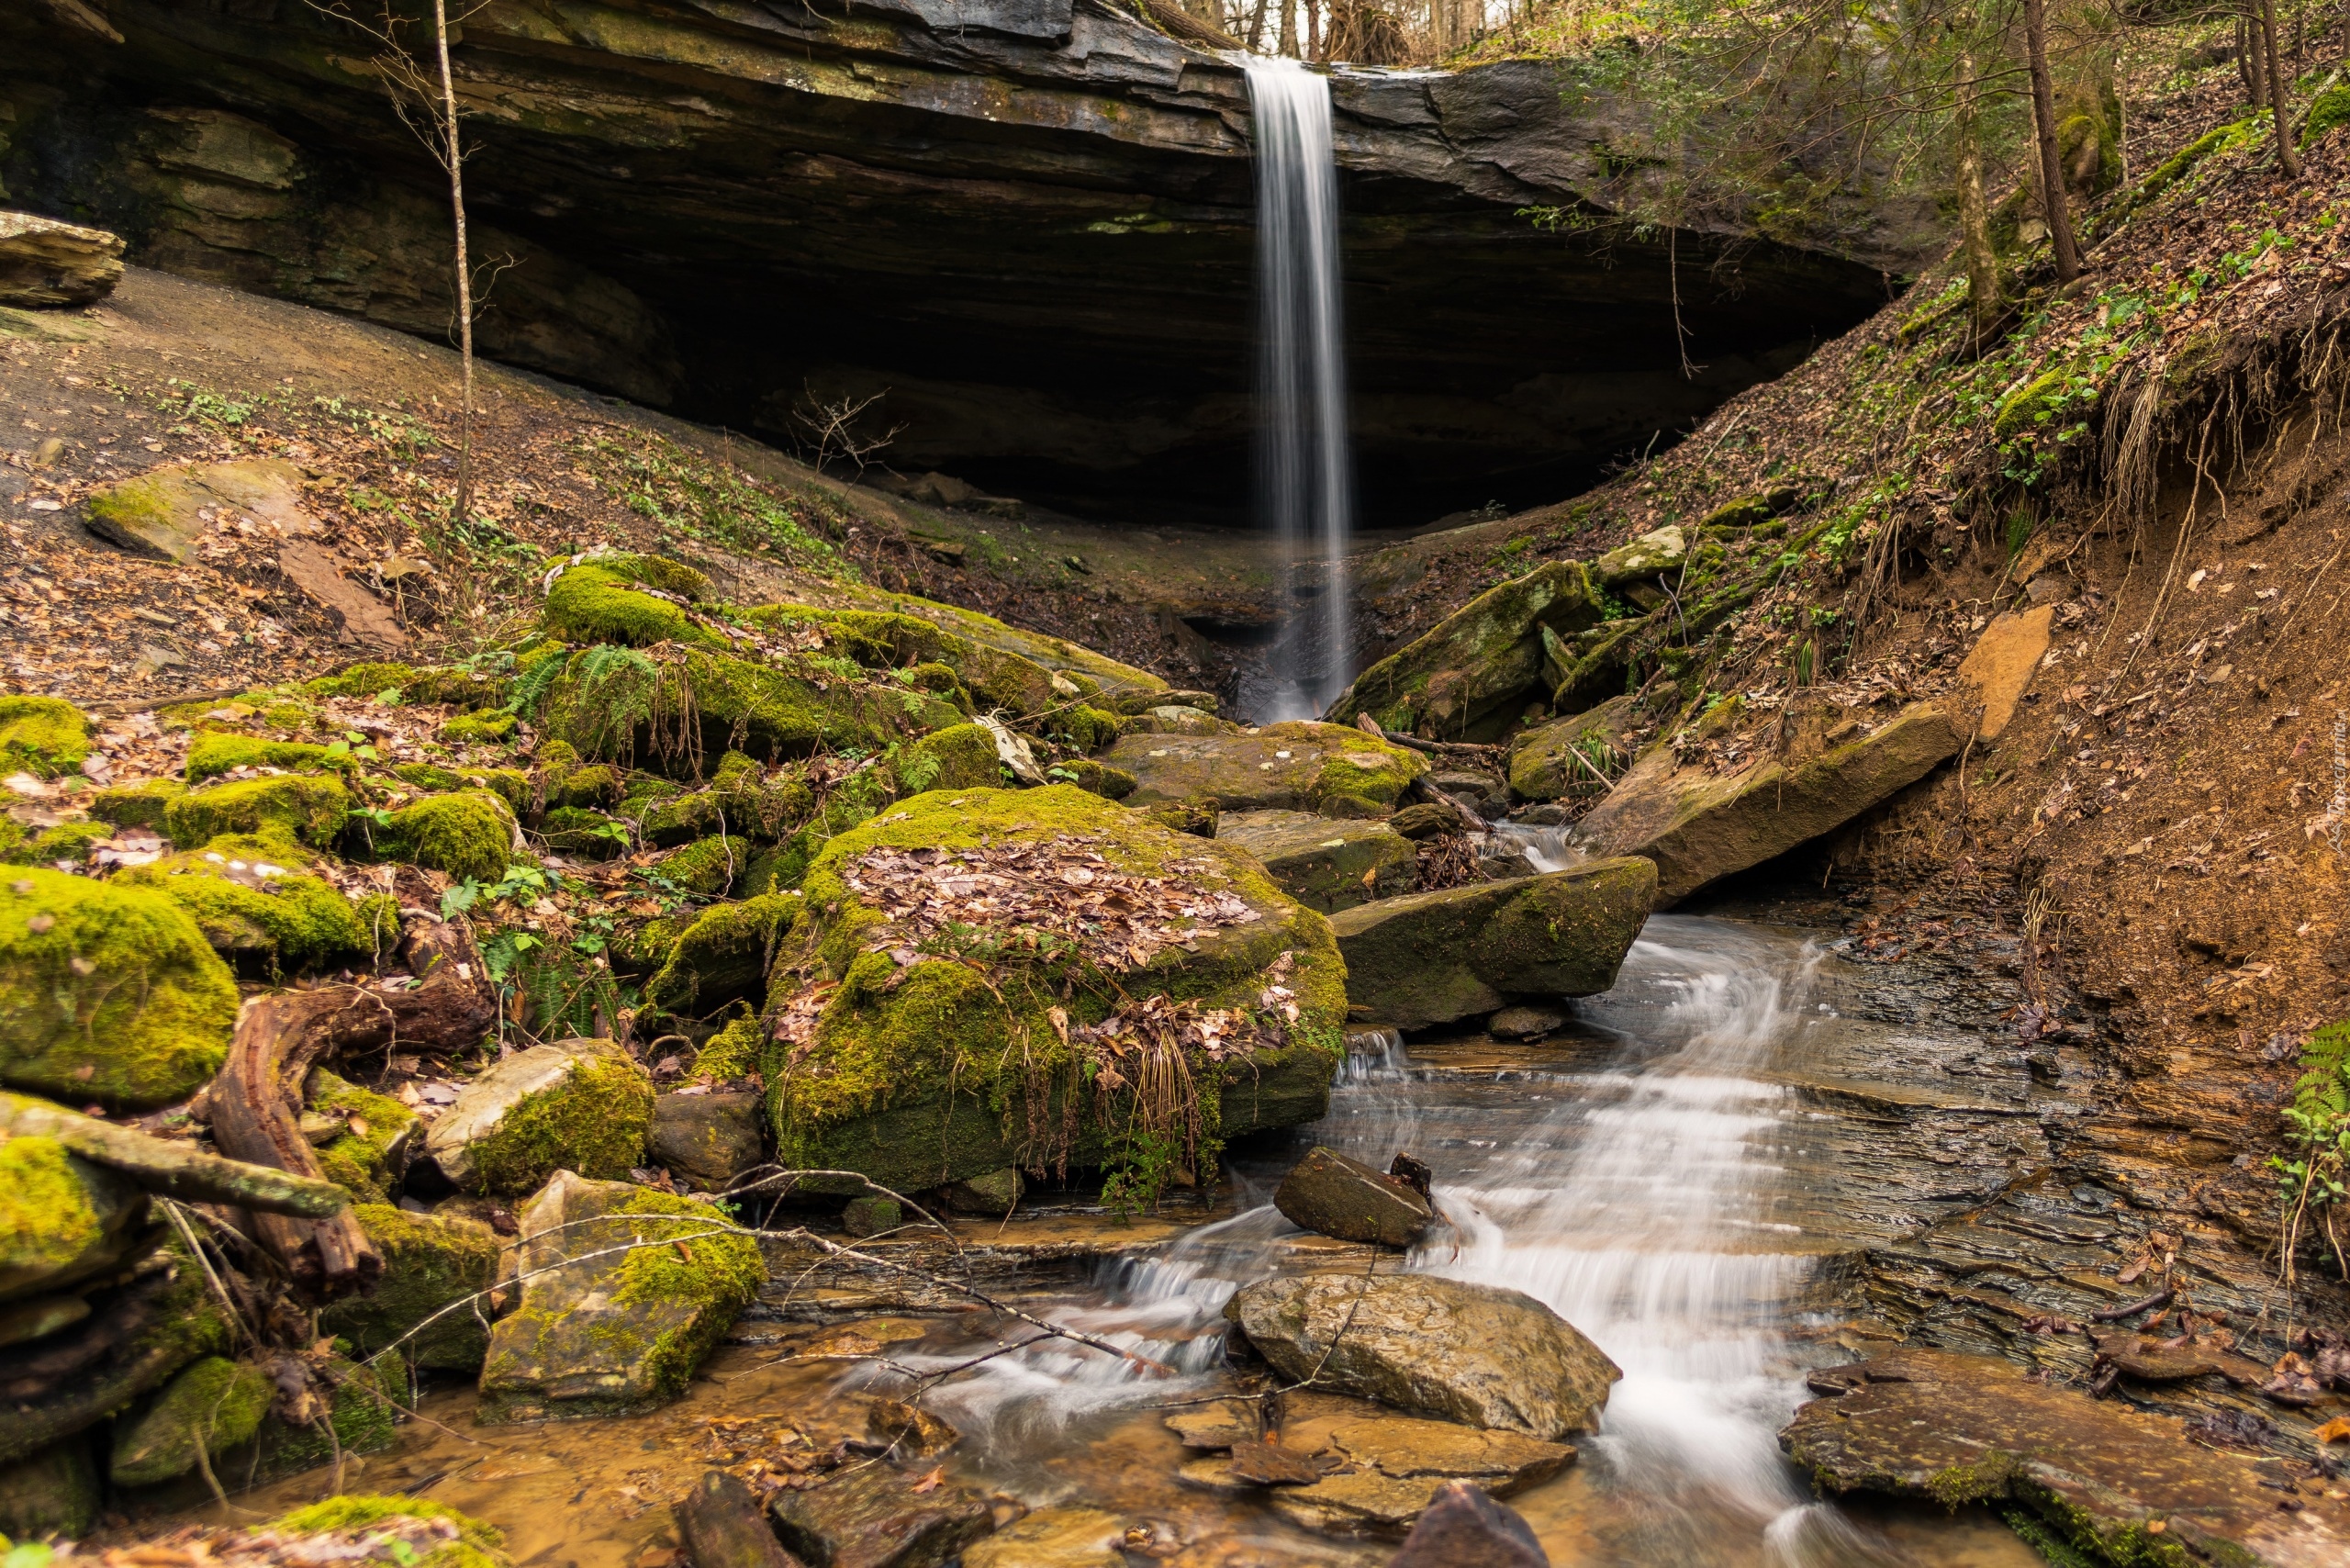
{"x":1305,"y":483}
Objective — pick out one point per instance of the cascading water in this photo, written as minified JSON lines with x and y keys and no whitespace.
{"x":1304,"y":479}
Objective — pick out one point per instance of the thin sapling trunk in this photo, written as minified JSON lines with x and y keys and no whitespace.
{"x":2054,"y":210}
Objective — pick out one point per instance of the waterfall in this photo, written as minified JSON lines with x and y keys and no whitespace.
{"x":1304,"y":486}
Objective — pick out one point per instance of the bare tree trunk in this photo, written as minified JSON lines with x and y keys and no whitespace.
{"x":1983,"y":302}
{"x":455,"y":152}
{"x":2251,"y":70}
{"x":1288,"y":28}
{"x":1314,"y":29}
{"x":2054,"y":209}
{"x":2280,"y":103}
{"x":1257,"y":28}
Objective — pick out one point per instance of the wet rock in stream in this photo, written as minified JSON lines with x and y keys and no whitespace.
{"x":1464,"y":1528}
{"x":1335,"y":1196}
{"x":1476,"y":1354}
{"x":875,"y":1516}
{"x":1054,"y":1537}
{"x":2121,"y":1485}
{"x":725,"y":1527}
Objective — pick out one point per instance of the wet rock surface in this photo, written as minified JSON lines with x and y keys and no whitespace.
{"x":1325,"y":865}
{"x":872,"y":1517}
{"x":2115,"y":1483}
{"x":1464,"y":1528}
{"x":710,"y":1138}
{"x":1433,"y":958}
{"x":1473,"y":1353}
{"x":1335,"y":1196}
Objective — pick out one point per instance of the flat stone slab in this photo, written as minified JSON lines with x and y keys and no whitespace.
{"x":1327,"y":769}
{"x":44,"y":262}
{"x":1699,"y":826}
{"x":2117,"y":1483}
{"x":166,"y":513}
{"x":871,"y":1516}
{"x":1323,"y":864}
{"x":1457,"y":952}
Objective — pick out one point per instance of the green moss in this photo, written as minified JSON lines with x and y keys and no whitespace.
{"x":67,"y":842}
{"x":137,"y":805}
{"x":721,"y":1277}
{"x":47,"y":1217}
{"x":596,"y":601}
{"x":310,"y":809}
{"x":45,"y":736}
{"x":2025,"y":407}
{"x":511,"y":785}
{"x":287,"y":922}
{"x":468,"y":834}
{"x":213,"y":1406}
{"x":368,"y":679}
{"x":732,"y":1053}
{"x":361,"y":1158}
{"x":361,"y":1414}
{"x":2327,"y":110}
{"x":594,"y":1123}
{"x":476,"y":1545}
{"x":216,"y":752}
{"x":574,"y":830}
{"x":599,"y":785}
{"x":2226,"y":139}
{"x":707,"y":868}
{"x":723,"y":955}
{"x":107,"y":994}
{"x":53,"y":1493}
{"x":1099,"y":778}
{"x":479,"y":729}
{"x":961,"y":757}
{"x":429,"y":1264}
{"x":1083,"y":726}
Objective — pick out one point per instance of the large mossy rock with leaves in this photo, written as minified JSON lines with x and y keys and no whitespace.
{"x":991,"y":977}
{"x":1469,"y":676}
{"x":1700,"y":826}
{"x":624,"y":1291}
{"x":1327,"y":769}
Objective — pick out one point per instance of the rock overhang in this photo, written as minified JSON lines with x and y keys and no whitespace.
{"x":1028,"y":226}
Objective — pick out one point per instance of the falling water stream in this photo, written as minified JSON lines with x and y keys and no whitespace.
{"x":1304,"y":483}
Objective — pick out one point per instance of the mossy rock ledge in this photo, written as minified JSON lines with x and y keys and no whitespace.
{"x":625,"y":1290}
{"x":1327,"y":769}
{"x":917,"y":1068}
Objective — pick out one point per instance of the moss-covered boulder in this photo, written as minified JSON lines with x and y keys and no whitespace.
{"x":407,"y":1530}
{"x":625,"y":1290}
{"x":62,"y":1218}
{"x":52,"y":1493}
{"x":1438,"y":957}
{"x":1655,"y":553}
{"x":708,"y":868}
{"x":256,"y":904}
{"x":576,"y":1104}
{"x":107,"y":994}
{"x":45,"y":736}
{"x":1572,"y":756}
{"x":431,"y":1263}
{"x":961,"y":757}
{"x":65,"y":847}
{"x":137,"y":805}
{"x":603,"y":600}
{"x":468,"y":834}
{"x":709,"y":1136}
{"x":369,"y":1154}
{"x":212,"y":1405}
{"x":479,"y":729}
{"x":723,"y":955}
{"x":216,"y":752}
{"x":311,"y":810}
{"x":988,"y":999}
{"x":511,"y":785}
{"x":1327,"y":769}
{"x":1469,"y":676}
{"x":1698,"y":825}
{"x":1323,"y":864}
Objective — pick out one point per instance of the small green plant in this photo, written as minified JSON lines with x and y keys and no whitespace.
{"x":1137,"y":1172}
{"x":2313,"y":1176}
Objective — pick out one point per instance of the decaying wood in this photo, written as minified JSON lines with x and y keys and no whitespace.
{"x":442,"y":1003}
{"x":725,"y":1527}
{"x":175,"y":1169}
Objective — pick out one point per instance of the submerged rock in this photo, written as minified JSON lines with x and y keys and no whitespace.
{"x":1333,"y":1195}
{"x":578,"y":1104}
{"x":1054,"y":1537}
{"x":45,"y":263}
{"x":1699,"y":826}
{"x":2113,"y":1482}
{"x":623,"y":1291}
{"x":1464,"y":1528}
{"x":1460,"y":952}
{"x":1322,"y":864}
{"x":1218,"y":1424}
{"x":1471,"y":1353}
{"x":1328,"y":769}
{"x":107,"y":994}
{"x":1470,"y":674}
{"x":871,"y":1516}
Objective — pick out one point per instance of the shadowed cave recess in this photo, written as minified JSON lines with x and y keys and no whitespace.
{"x":1024,"y":226}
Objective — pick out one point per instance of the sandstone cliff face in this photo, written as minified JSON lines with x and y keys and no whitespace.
{"x":1027,"y":222}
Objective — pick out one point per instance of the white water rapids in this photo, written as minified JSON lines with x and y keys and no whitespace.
{"x":1639,"y":1194}
{"x":1304,"y":479}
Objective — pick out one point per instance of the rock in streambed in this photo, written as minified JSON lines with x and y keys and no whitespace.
{"x":1333,"y":1195}
{"x":1325,"y":865}
{"x":1433,"y":958}
{"x":1473,"y":1353}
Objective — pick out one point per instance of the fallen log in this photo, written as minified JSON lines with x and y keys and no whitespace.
{"x":441,"y":1003}
{"x":175,"y":1169}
